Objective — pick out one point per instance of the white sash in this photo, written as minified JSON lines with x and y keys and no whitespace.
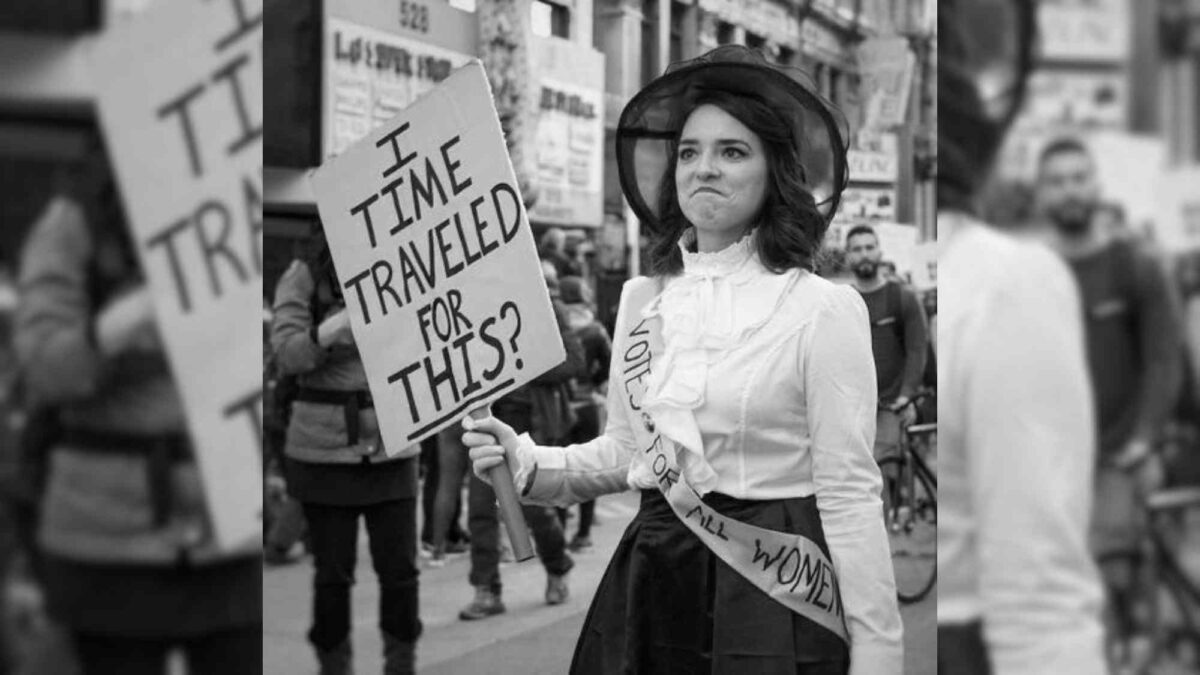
{"x":788,"y":567}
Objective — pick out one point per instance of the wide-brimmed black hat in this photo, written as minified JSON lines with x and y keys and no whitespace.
{"x":650,"y":124}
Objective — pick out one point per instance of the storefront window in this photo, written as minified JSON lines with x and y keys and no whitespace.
{"x":550,"y":20}
{"x":755,"y":42}
{"x":724,"y":33}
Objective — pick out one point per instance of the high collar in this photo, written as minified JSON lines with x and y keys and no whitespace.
{"x":716,"y":264}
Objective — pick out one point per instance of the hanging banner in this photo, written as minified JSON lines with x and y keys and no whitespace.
{"x":1130,"y":168}
{"x":570,"y":134}
{"x":179,"y":89}
{"x":437,"y":261}
{"x":1084,"y":30}
{"x":887,"y":66}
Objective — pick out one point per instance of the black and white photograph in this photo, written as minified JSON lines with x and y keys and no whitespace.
{"x":599,"y":337}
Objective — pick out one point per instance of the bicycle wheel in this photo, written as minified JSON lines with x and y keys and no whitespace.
{"x":910,"y":510}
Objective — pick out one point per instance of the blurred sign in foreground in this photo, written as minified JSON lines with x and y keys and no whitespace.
{"x":437,"y":262}
{"x":180,"y":99}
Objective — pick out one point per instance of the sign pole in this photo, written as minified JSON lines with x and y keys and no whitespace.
{"x":510,"y":506}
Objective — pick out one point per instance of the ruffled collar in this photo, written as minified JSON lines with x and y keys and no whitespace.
{"x":700,"y":324}
{"x":723,"y":263}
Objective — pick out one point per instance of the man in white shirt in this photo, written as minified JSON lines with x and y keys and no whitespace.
{"x":1019,"y":592}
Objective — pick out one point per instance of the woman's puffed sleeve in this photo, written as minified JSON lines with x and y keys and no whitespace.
{"x":291,"y":326}
{"x":584,"y":471}
{"x":54,"y":335}
{"x":838,"y":370}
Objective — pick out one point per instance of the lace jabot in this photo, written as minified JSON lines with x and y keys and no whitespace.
{"x":700,"y":322}
{"x":725,"y":262}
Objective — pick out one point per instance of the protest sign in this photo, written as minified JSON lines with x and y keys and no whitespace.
{"x":1177,"y":227}
{"x":437,"y":262}
{"x":897,"y":242}
{"x":180,"y":100}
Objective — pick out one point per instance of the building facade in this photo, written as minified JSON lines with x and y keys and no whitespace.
{"x":833,"y":42}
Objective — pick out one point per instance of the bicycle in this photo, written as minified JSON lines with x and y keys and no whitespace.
{"x":910,"y":509}
{"x":1160,"y":629}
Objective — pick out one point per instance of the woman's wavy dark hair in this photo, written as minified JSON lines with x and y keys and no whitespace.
{"x":789,"y":226}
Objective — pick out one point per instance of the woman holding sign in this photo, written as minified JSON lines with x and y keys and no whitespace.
{"x":741,"y":399}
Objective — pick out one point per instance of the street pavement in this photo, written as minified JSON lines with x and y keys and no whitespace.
{"x":530,"y":639}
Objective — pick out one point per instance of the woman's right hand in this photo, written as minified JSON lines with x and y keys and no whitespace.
{"x":491,"y":443}
{"x":125,"y":321}
{"x":335,"y":329}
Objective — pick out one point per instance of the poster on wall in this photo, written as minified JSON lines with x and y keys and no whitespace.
{"x":887,"y":66}
{"x":370,"y":75}
{"x":570,"y":138}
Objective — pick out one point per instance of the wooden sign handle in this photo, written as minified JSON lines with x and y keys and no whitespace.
{"x":510,"y":506}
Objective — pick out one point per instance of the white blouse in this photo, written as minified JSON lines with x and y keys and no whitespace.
{"x":767,"y":384}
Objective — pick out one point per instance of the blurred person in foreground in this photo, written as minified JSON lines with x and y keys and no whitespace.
{"x":336,"y":466}
{"x":1134,"y":335}
{"x":1019,"y":592}
{"x":124,"y":550}
{"x":750,"y":374}
{"x":899,"y":338}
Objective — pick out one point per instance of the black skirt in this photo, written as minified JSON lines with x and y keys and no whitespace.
{"x":151,"y":602}
{"x":668,"y":606}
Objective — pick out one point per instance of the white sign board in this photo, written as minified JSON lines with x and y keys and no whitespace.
{"x":370,"y":75}
{"x":180,"y":100}
{"x":1130,"y":168}
{"x":437,"y":262}
{"x":874,"y":158}
{"x":1177,"y":227}
{"x":1085,"y":30}
{"x":897,"y":243}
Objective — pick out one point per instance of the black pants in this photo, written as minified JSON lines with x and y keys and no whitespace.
{"x":961,"y":650}
{"x":433,"y":474}
{"x":392,"y":535}
{"x":484,"y":524}
{"x":232,"y":652}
